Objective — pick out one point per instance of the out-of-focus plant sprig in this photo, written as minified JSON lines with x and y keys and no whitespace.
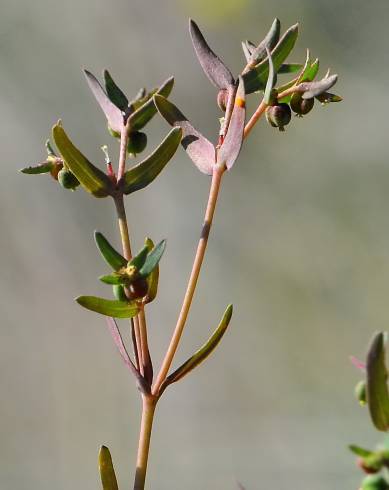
{"x":372,"y":391}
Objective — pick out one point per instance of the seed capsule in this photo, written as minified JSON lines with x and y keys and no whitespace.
{"x":67,"y":179}
{"x":279,"y":116}
{"x":301,"y":106}
{"x":139,"y":288}
{"x":222,"y":99}
{"x":137,"y":142}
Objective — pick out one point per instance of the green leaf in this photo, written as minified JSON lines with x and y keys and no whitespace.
{"x":139,"y":260}
{"x":268,"y":43}
{"x":326,"y":98}
{"x":42,"y":168}
{"x":359,"y":451}
{"x":113,"y":279}
{"x":145,"y":172}
{"x":199,"y":356}
{"x":311,"y":72}
{"x":108,"y":307}
{"x":153,"y":259}
{"x":271,"y":81}
{"x":114,"y":93}
{"x":119,"y":293}
{"x":142,"y":116}
{"x":256,"y":78}
{"x":153,"y":277}
{"x":92,"y":179}
{"x":110,"y":255}
{"x":290,"y":68}
{"x":107,"y":472}
{"x":377,"y":389}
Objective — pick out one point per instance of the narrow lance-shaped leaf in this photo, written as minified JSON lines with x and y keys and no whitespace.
{"x":109,"y":254}
{"x":113,"y":279}
{"x":140,"y":117}
{"x":271,"y":81}
{"x":269,"y":42}
{"x":112,"y":113}
{"x":139,"y":259}
{"x":107,"y":472}
{"x":108,"y":307}
{"x":41,"y":168}
{"x":153,"y":259}
{"x":377,"y":389}
{"x":326,"y":98}
{"x":313,"y":89}
{"x":199,"y":149}
{"x":114,"y":92}
{"x":92,"y":179}
{"x":117,"y":338}
{"x":153,"y":277}
{"x":246,"y":50}
{"x":256,"y":78}
{"x":213,"y":67}
{"x":229,"y":151}
{"x":359,"y":451}
{"x":199,"y":356}
{"x":145,"y":172}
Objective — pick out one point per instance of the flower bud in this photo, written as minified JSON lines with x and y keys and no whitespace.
{"x":67,"y":179}
{"x":137,"y":142}
{"x":278,"y":116}
{"x":222,"y":98}
{"x":301,"y":106}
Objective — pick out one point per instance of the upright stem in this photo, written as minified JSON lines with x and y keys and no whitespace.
{"x":123,"y":226}
{"x":202,"y":245}
{"x":148,"y":409}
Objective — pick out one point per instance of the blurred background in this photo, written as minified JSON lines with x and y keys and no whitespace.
{"x":300,"y":246}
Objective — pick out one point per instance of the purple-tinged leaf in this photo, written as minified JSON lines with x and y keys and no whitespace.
{"x":232,"y":143}
{"x":313,"y":89}
{"x":246,"y":50}
{"x":269,"y":42}
{"x":117,"y":338}
{"x":200,"y":150}
{"x":271,"y":81}
{"x":112,"y":113}
{"x":213,"y":67}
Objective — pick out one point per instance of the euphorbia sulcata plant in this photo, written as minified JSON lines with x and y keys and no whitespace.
{"x":133,"y":277}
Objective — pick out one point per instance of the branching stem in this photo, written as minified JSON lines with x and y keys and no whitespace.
{"x":198,"y":261}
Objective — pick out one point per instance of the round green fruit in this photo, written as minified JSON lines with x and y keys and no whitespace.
{"x":137,"y":142}
{"x":374,"y":482}
{"x":360,"y":392}
{"x":301,"y":106}
{"x":67,"y":179}
{"x":279,"y":116}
